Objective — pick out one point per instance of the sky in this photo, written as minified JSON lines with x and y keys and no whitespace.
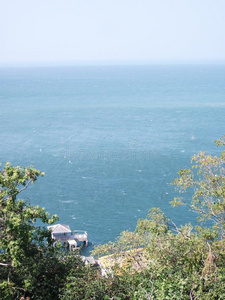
{"x":76,"y":31}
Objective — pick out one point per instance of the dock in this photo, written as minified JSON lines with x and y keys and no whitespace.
{"x":63,"y":233}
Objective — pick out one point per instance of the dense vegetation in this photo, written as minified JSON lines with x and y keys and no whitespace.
{"x":159,"y":260}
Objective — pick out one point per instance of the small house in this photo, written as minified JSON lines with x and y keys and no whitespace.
{"x":63,"y":234}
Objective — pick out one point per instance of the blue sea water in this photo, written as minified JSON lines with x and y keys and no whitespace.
{"x":110,"y":139}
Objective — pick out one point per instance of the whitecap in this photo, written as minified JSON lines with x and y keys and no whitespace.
{"x":67,"y":201}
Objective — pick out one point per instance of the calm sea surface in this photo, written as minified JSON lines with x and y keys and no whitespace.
{"x":109,"y":139}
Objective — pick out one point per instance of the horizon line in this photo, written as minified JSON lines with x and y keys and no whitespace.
{"x":74,"y":63}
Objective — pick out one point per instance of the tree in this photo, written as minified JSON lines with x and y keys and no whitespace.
{"x":206,"y":179}
{"x":24,"y":245}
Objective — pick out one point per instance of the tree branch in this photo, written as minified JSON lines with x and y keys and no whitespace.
{"x":5,"y":265}
{"x":26,"y":186}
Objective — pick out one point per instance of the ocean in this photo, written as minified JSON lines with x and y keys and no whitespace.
{"x":110,"y":139}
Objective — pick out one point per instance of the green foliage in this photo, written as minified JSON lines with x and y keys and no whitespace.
{"x":88,"y":283}
{"x":27,"y":254}
{"x":176,"y":263}
{"x":207,"y":181}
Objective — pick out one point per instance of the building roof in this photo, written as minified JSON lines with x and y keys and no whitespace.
{"x":136,"y":259}
{"x":72,"y":242}
{"x":60,"y":228}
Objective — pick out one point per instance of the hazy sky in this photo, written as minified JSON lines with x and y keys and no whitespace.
{"x":109,"y":30}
